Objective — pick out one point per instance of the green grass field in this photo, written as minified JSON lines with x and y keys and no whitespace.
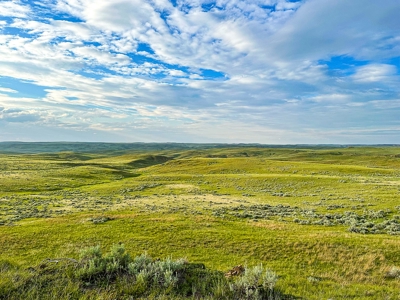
{"x":325,"y":220}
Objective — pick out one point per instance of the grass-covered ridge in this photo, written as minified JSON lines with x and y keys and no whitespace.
{"x":324,"y":220}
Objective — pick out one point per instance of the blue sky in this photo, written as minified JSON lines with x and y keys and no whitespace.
{"x":266,"y":71}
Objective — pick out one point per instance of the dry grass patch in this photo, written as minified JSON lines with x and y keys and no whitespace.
{"x":181,"y":186}
{"x":271,"y":225}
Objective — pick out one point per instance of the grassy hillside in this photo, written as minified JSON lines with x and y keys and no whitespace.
{"x":325,"y":220}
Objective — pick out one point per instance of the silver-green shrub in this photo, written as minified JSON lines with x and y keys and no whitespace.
{"x":254,"y":283}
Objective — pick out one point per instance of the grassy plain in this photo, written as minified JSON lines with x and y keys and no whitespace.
{"x":325,"y":220}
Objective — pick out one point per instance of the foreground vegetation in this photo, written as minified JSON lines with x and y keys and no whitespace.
{"x":118,"y":276}
{"x":326,"y":221}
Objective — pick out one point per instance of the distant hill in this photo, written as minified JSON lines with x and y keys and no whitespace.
{"x":94,"y":147}
{"x":52,"y":147}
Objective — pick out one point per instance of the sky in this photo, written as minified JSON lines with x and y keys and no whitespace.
{"x":227,"y":71}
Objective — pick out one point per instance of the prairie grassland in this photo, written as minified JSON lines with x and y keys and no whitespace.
{"x":326,"y":221}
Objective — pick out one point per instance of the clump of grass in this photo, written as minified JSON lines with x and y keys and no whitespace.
{"x":313,"y":279}
{"x":393,"y":273}
{"x":255,"y":283}
{"x":100,"y":220}
{"x":95,"y":266}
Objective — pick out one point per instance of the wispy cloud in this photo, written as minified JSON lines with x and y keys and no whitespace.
{"x":376,"y":73}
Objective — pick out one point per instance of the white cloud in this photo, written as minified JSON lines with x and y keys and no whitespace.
{"x":374,"y":73}
{"x":178,"y":73}
{"x":334,"y":98}
{"x":336,"y":27}
{"x":19,"y":116}
{"x":385,"y":104}
{"x":13,"y":8}
{"x":101,"y":57}
{"x":7,"y":90}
